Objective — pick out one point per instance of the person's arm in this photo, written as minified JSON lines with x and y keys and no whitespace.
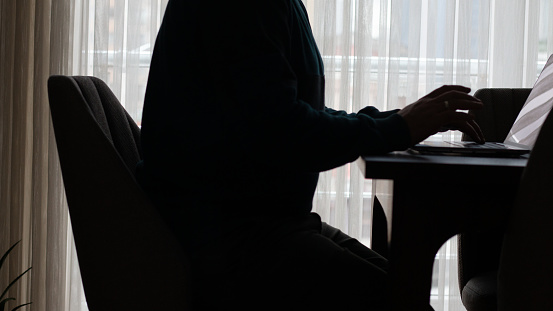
{"x":371,"y":111}
{"x":249,"y":49}
{"x":375,"y":113}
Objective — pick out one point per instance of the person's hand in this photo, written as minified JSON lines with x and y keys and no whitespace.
{"x":437,"y":111}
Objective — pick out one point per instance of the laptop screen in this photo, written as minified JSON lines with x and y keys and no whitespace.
{"x":528,"y":123}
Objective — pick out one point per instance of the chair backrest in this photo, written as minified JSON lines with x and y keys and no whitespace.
{"x":501,"y":108}
{"x":525,"y":277}
{"x":128,"y":258}
{"x":114,"y":121}
{"x":479,"y":251}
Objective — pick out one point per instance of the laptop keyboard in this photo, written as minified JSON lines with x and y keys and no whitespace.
{"x":476,"y":145}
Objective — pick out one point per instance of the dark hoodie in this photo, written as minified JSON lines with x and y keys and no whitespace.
{"x":234,"y":124}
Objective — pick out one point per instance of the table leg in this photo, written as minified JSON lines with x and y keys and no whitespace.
{"x":424,"y":217}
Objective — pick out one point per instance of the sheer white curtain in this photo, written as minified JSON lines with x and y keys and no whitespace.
{"x":388,"y":53}
{"x":113,"y":40}
{"x":35,"y":40}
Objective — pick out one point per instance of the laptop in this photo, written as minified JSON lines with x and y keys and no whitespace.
{"x":469,"y":148}
{"x":522,"y":135}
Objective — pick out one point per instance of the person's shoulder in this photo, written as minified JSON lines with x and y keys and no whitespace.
{"x":250,"y":7}
{"x":229,"y":11}
{"x":238,"y":4}
{"x":278,"y":5}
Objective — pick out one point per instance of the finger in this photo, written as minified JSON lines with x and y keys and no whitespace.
{"x":453,"y":118}
{"x":448,"y":88}
{"x":468,"y":129}
{"x":464,"y":123}
{"x":453,"y":95}
{"x":467,"y":103}
{"x":478,"y":130}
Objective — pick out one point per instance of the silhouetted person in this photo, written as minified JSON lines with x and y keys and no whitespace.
{"x":234,"y":135}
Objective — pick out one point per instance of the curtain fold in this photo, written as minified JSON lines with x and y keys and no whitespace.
{"x":109,"y":39}
{"x":35,"y":44}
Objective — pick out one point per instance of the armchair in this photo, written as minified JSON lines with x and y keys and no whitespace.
{"x":128,"y":258}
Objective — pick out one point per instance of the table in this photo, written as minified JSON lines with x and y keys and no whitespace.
{"x":434,"y":198}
